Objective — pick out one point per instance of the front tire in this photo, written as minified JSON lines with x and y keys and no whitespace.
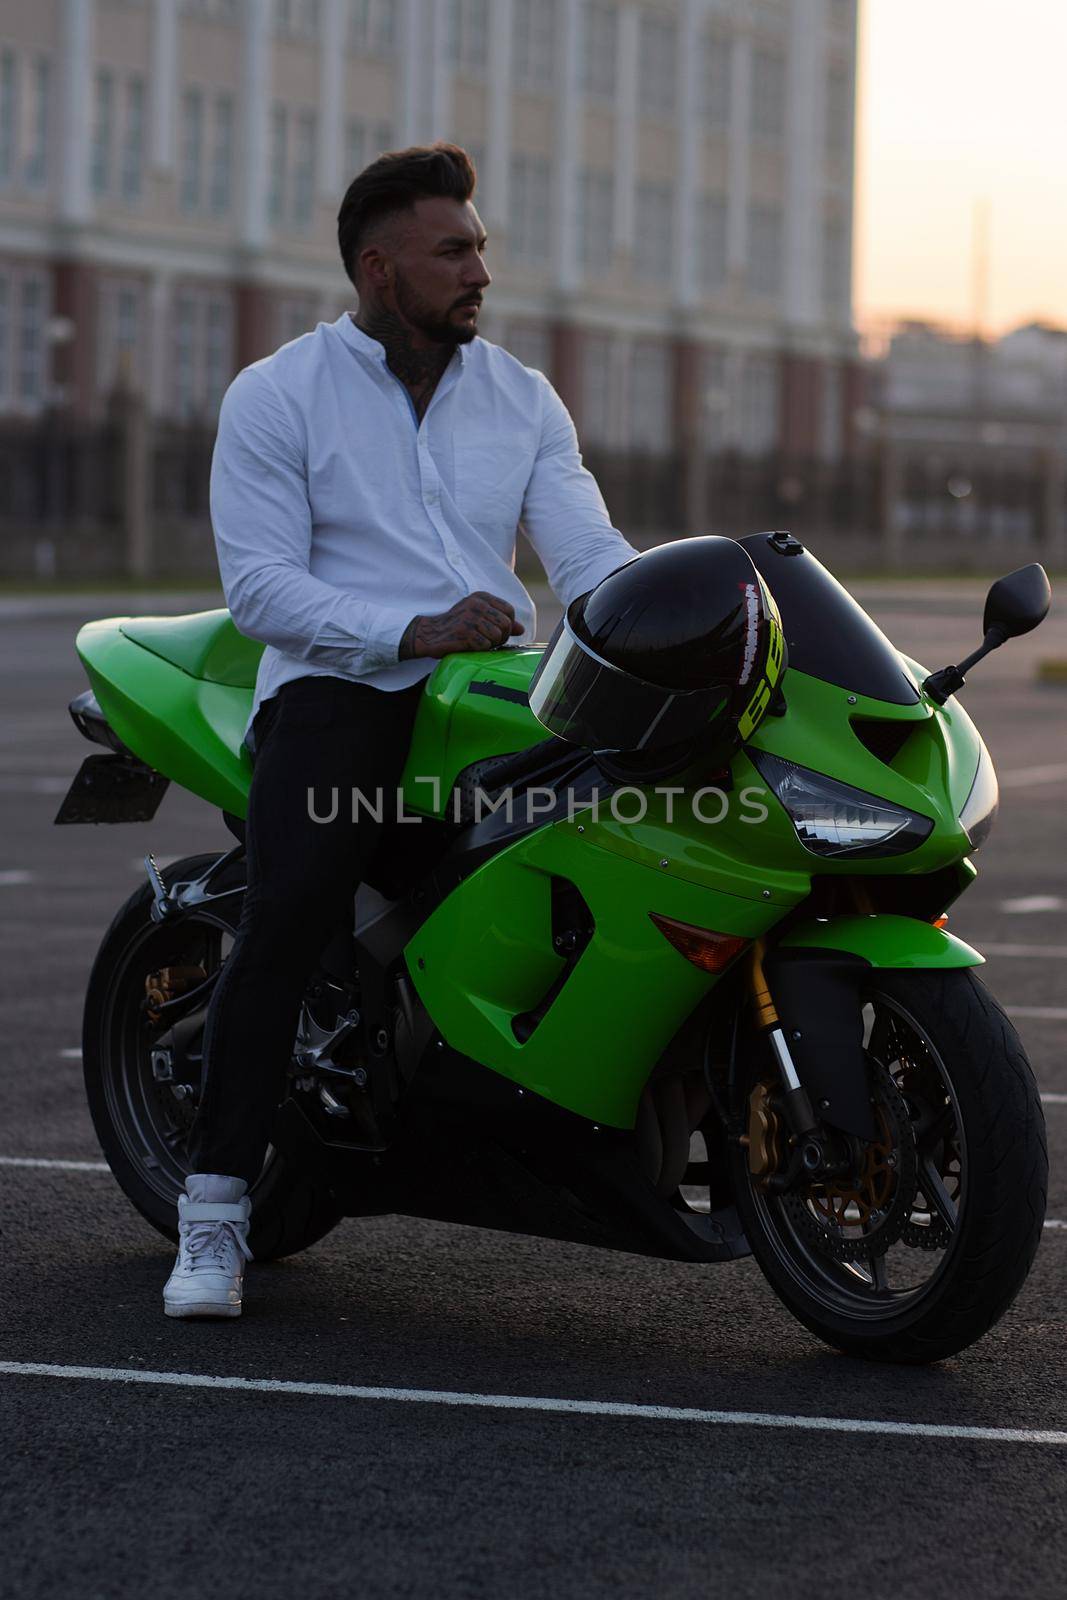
{"x":962,"y":1114}
{"x":140,"y":1122}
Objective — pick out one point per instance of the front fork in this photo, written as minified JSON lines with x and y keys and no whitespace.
{"x":809,"y":1150}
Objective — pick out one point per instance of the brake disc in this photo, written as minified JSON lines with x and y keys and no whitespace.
{"x":862,"y":1214}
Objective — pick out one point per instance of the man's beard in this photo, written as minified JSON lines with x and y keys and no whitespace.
{"x":415,"y":310}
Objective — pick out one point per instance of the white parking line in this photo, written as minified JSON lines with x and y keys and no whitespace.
{"x":1033,"y":902}
{"x":1035,"y":952}
{"x":74,"y":1054}
{"x":14,"y":875}
{"x":1023,"y":777}
{"x":1054,"y":1099}
{"x":1042,"y":1013}
{"x":58,"y":1166}
{"x":519,"y":1402}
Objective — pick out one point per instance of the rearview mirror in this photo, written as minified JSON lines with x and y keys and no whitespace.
{"x":1018,"y":602}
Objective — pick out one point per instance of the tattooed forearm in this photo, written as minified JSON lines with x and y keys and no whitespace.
{"x":407,"y":641}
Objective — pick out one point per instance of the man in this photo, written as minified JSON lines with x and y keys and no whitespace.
{"x":366,"y":486}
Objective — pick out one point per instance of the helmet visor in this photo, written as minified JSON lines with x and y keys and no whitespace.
{"x":584,"y":699}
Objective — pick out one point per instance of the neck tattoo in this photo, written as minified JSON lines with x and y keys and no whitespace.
{"x":418,"y":370}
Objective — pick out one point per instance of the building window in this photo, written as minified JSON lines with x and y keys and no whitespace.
{"x":24,"y":303}
{"x":468,"y":34}
{"x":715,"y":80}
{"x":222,"y":156}
{"x":529,"y":343}
{"x":279,"y":161}
{"x":133,"y":136}
{"x":192,"y":149}
{"x":304,"y":170}
{"x":529,"y":219}
{"x":711,"y":242}
{"x":596,"y":244}
{"x":654,"y":242}
{"x":31,"y":345}
{"x":37,"y":124}
{"x":768,"y":97}
{"x":765,"y":250}
{"x":212,"y":10}
{"x":218,"y":355}
{"x":120,"y":334}
{"x":8,"y":84}
{"x":100,"y":166}
{"x":656,"y":80}
{"x":650,"y":420}
{"x":757,"y":430}
{"x":836,"y":287}
{"x":626,"y":394}
{"x":5,"y":340}
{"x":202,"y":352}
{"x":296,"y":19}
{"x":365,"y":142}
{"x":832,"y":413}
{"x":372,"y":27}
{"x":714,"y":398}
{"x":534,"y":24}
{"x":598,"y":388}
{"x":294,"y":315}
{"x":600,"y":44}
{"x":838,"y":114}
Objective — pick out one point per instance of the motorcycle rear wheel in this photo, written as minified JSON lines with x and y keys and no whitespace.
{"x":968,"y":1239}
{"x":139,"y":1121}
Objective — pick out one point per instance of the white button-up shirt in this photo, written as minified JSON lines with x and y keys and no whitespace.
{"x":339,"y":517}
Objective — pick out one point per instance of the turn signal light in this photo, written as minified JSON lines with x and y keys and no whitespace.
{"x":712,"y":952}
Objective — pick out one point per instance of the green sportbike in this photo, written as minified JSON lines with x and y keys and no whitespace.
{"x":699,"y":1019}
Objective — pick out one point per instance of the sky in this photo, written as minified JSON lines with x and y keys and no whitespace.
{"x":962,"y":114}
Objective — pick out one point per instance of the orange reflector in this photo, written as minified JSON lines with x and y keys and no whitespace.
{"x":941,"y":921}
{"x":709,"y":951}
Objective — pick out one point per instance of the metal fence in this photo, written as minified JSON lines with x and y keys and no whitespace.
{"x":129,"y":496}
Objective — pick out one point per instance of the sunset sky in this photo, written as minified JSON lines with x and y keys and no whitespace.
{"x":962,"y":101}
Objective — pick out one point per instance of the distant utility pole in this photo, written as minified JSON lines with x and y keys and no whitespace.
{"x":980,"y":268}
{"x":979,"y":299}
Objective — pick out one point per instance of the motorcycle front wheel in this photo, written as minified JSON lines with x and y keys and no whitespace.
{"x":921,"y":1247}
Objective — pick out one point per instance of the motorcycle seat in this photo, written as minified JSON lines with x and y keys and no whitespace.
{"x":205,"y":644}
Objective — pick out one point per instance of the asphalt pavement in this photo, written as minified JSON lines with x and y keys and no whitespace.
{"x":116,"y":1487}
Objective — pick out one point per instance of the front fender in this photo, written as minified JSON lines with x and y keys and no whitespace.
{"x":816,"y":973}
{"x":884,"y":941}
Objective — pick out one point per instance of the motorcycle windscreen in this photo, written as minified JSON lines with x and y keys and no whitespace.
{"x":829,"y":634}
{"x":589,"y":702}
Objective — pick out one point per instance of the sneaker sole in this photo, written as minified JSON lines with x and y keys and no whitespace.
{"x":206,"y":1308}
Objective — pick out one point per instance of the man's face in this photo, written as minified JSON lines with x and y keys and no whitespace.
{"x":438,"y":274}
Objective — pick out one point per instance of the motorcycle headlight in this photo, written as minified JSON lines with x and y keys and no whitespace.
{"x":833,"y":819}
{"x":980,"y":807}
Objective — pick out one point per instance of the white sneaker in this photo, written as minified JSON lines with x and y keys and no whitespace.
{"x":213,"y":1219}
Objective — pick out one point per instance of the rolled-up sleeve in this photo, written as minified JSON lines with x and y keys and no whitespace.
{"x":262,"y":522}
{"x":563,"y":514}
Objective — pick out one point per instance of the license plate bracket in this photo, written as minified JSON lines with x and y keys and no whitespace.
{"x":112,"y":788}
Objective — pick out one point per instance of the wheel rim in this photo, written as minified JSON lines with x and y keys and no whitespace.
{"x":876,"y":1287}
{"x":150,"y":1120}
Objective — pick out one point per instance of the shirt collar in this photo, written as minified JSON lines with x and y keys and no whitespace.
{"x":373,"y":347}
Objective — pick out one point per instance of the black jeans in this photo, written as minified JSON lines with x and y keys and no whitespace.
{"x":316,"y":733}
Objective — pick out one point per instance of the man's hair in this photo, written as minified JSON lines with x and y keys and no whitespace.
{"x":392,"y":184}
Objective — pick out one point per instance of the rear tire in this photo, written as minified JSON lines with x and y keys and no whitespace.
{"x":1002,"y":1181}
{"x":139,"y":1132}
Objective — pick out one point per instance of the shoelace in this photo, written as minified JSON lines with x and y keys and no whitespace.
{"x":208,"y":1243}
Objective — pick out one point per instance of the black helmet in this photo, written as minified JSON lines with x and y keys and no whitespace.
{"x":674,"y":656}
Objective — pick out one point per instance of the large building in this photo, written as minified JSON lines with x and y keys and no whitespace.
{"x":667,"y":188}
